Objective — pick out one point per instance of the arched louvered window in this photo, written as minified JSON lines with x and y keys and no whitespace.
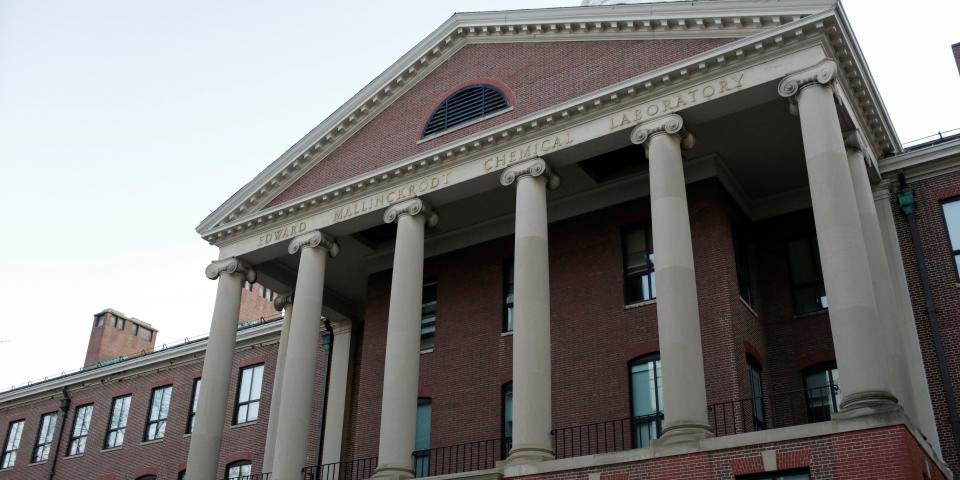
{"x":466,"y":104}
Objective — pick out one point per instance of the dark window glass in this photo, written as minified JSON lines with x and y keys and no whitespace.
{"x":951,"y":215}
{"x":639,"y":278}
{"x":241,"y":470}
{"x":81,"y":428}
{"x":119,"y":410}
{"x":823,"y":391}
{"x":507,"y":413}
{"x":147,"y":477}
{"x":646,"y":399}
{"x":508,"y":295}
{"x":791,"y":475}
{"x":421,"y":442}
{"x":755,"y":379}
{"x":805,"y":275}
{"x":159,"y":410}
{"x":182,"y":475}
{"x":248,"y":395}
{"x":466,"y":104}
{"x":11,"y":444}
{"x":135,"y":330}
{"x":194,"y":398}
{"x":742,"y":259}
{"x":41,"y":450}
{"x":428,"y":316}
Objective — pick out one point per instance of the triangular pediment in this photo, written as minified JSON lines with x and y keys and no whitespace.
{"x":531,"y":54}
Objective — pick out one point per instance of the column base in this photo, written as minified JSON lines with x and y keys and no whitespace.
{"x":389,"y":472}
{"x":683,"y":433}
{"x":525,"y":455}
{"x":868,"y":403}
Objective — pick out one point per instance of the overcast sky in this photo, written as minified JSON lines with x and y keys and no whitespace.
{"x":124,"y":123}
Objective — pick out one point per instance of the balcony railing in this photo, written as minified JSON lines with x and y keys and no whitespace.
{"x":606,"y":437}
{"x":360,"y":469}
{"x":465,"y":457}
{"x":774,"y":411}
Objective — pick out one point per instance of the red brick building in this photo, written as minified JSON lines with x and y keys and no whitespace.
{"x":671,"y":240}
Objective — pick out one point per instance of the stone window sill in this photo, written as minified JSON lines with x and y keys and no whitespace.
{"x":506,"y":334}
{"x":239,"y":425}
{"x":111,"y":449}
{"x":151,"y":442}
{"x":429,"y":350}
{"x":37,"y":463}
{"x":640,"y":304}
{"x":811,"y":314}
{"x":68,"y":457}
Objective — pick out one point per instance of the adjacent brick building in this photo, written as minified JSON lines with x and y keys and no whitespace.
{"x":442,"y":324}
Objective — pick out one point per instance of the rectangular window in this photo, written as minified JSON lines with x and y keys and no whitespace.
{"x":421,"y":443}
{"x":41,"y":450}
{"x":99,"y":320}
{"x":135,"y":330}
{"x":823,"y":392}
{"x":117,"y":322}
{"x":639,"y":278}
{"x":741,"y":256}
{"x":507,"y":394}
{"x":791,"y":475}
{"x":755,"y":379}
{"x":809,"y":294}
{"x":81,"y":428}
{"x":159,"y":410}
{"x":428,"y":316}
{"x":646,"y":399}
{"x":508,"y":295}
{"x":248,"y":395}
{"x":146,"y":334}
{"x":194,"y":398}
{"x":11,"y":444}
{"x":951,"y":216}
{"x":119,"y":410}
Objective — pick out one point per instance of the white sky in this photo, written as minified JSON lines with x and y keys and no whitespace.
{"x":123,"y":124}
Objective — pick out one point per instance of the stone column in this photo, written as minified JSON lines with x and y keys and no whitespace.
{"x":203,"y":457}
{"x":300,"y":364}
{"x":843,"y":253}
{"x":678,"y":314}
{"x":337,"y":396}
{"x":905,"y":322}
{"x":280,"y":302}
{"x":401,"y":372}
{"x":531,"y":306}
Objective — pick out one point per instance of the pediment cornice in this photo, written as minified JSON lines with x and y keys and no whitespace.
{"x":768,"y":33}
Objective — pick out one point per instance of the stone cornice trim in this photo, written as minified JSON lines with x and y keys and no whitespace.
{"x":923,"y":163}
{"x":533,"y":168}
{"x":230,"y":266}
{"x":821,"y":29}
{"x":314,"y":239}
{"x":151,"y":361}
{"x":412,"y":207}
{"x":703,"y":20}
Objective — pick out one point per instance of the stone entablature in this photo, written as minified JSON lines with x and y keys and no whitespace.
{"x":828,"y":28}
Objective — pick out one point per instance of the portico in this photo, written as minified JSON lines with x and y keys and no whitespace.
{"x":327,"y":245}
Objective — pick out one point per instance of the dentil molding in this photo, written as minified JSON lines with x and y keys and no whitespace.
{"x":230,"y":265}
{"x":415,"y":206}
{"x":314,"y":239}
{"x":533,"y":168}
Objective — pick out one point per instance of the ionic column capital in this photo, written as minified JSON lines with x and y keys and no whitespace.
{"x":282,"y":301}
{"x":412,"y":207}
{"x":314,"y":239}
{"x":533,"y":168}
{"x":232,"y":265}
{"x":822,"y":74}
{"x":669,"y":124}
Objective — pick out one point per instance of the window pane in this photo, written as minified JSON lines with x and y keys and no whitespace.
{"x":637,"y":249}
{"x":801,"y":261}
{"x":951,"y":213}
{"x":422,"y":438}
{"x":257,"y":375}
{"x":245,"y":380}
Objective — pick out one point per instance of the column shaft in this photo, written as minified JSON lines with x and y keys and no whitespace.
{"x":401,"y":373}
{"x":299,"y":371}
{"x":276,"y":392}
{"x":337,"y":396}
{"x":846,"y":271}
{"x":204,"y":454}
{"x":678,"y":314}
{"x":531,"y":331}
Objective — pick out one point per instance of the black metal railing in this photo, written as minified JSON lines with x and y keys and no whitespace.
{"x":258,"y":476}
{"x":774,"y":411}
{"x":359,"y":469}
{"x":605,"y":437}
{"x":465,"y":457}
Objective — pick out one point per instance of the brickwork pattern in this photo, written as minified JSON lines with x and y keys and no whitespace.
{"x":108,"y":342}
{"x":536,"y":76}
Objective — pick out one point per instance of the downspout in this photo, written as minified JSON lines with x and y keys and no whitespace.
{"x":326,"y":392}
{"x":908,"y":203}
{"x":64,"y":409}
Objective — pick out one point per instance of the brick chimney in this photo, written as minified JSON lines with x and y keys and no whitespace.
{"x":114,"y":335}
